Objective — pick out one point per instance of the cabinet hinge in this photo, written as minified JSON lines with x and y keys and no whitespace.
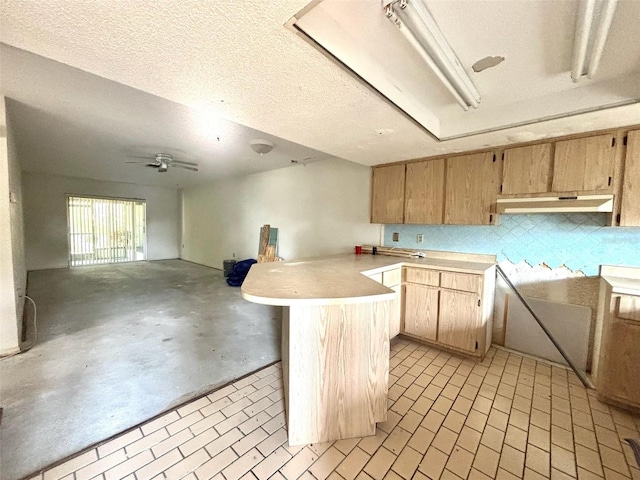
{"x":478,"y":302}
{"x":618,"y":219}
{"x":609,"y":181}
{"x":503,"y":156}
{"x":490,"y":218}
{"x":476,"y":345}
{"x":624,"y":140}
{"x":613,"y":142}
{"x":494,"y":157}
{"x":500,"y":188}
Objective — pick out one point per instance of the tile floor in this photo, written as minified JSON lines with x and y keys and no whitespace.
{"x":449,"y":418}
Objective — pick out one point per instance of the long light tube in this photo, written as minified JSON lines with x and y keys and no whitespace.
{"x":585,"y":35}
{"x":422,"y":32}
{"x":601,"y":36}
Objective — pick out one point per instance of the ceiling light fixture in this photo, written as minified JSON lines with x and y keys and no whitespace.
{"x":422,"y":32}
{"x":586,"y":35}
{"x":261,"y":146}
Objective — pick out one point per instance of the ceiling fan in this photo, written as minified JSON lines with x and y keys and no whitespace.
{"x":162,"y":162}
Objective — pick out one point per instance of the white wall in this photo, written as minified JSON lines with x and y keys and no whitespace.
{"x":321,"y":208}
{"x":13,"y":275}
{"x":46,"y":216}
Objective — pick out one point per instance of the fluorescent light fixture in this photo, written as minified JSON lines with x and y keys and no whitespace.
{"x":586,"y":35}
{"x":422,"y":32}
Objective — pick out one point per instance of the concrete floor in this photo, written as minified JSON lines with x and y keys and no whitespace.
{"x":118,"y":344}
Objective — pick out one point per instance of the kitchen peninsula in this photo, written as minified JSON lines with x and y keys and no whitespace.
{"x":336,"y":330}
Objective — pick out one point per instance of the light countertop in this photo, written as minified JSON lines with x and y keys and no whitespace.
{"x":338,"y":279}
{"x":623,"y":280}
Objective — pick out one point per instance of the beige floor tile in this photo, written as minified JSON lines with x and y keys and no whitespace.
{"x":563,"y":460}
{"x":587,"y":475}
{"x":272,"y":442}
{"x":402,"y":405}
{"x":486,"y":461}
{"x":445,"y":440}
{"x":422,"y":405}
{"x":128,"y":466}
{"x":442,"y":405}
{"x":371,"y":444}
{"x":493,"y":438}
{"x":516,"y":438}
{"x":421,"y":440}
{"x":478,"y":475}
{"x":197,"y":442}
{"x":212,"y":467}
{"x":476,"y":420}
{"x":174,"y":441}
{"x":432,"y":421}
{"x":433,"y":463}
{"x":159,"y":465}
{"x":222,"y":442}
{"x":99,"y":466}
{"x":411,"y":421}
{"x":512,"y":461}
{"x":460,"y":462}
{"x":614,"y":460}
{"x":462,"y":405}
{"x":119,"y":442}
{"x":353,"y":463}
{"x":247,"y":442}
{"x":538,"y":460}
{"x":505,"y":475}
{"x":589,"y":460}
{"x":584,"y":437}
{"x":396,"y":440}
{"x":540,"y":438}
{"x":299,"y":464}
{"x":483,"y":405}
{"x":454,"y":421}
{"x":326,"y":463}
{"x":603,"y":420}
{"x":407,"y":463}
{"x":469,"y":439}
{"x":519,"y":419}
{"x":380,"y":464}
{"x":498,"y":419}
{"x":147,"y":442}
{"x":540,"y":419}
{"x":393,"y":419}
{"x":561,"y":437}
{"x":613,"y":475}
{"x":160,"y":422}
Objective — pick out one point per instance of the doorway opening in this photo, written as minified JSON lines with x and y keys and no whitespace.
{"x":106,"y":230}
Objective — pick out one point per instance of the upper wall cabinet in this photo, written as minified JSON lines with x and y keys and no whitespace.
{"x":424,"y":192}
{"x":387,"y":194}
{"x":472,"y":187}
{"x":630,"y":207}
{"x":527,"y":169}
{"x":584,"y":164}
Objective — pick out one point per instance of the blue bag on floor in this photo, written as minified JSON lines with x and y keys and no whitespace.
{"x":239,"y":272}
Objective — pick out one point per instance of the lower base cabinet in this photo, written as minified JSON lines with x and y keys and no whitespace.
{"x":421,"y":311}
{"x":449,"y":309}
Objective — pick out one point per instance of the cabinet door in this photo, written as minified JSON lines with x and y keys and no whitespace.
{"x":459,"y":320}
{"x":630,"y":207}
{"x":620,"y":367}
{"x":424,"y":193}
{"x":527,"y":169}
{"x":395,"y":313}
{"x":471,"y":189}
{"x":387,"y":194}
{"x":584,"y":164}
{"x":421,"y":311}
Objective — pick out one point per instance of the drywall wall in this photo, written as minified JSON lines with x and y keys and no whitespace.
{"x":46,"y":216}
{"x":13,"y":275}
{"x":320,"y":208}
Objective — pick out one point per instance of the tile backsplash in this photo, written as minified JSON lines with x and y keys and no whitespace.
{"x":579,"y":241}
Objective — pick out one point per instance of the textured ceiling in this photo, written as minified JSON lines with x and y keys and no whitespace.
{"x":237,"y":60}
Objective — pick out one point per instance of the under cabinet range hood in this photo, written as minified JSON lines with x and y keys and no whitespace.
{"x":568,"y":204}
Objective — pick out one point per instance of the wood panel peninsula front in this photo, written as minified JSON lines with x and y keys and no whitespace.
{"x":339,"y":312}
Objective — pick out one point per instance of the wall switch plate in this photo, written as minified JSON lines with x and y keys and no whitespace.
{"x":419,"y":238}
{"x":396,"y":237}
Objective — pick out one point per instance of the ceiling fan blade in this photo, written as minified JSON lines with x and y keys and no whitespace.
{"x":193,"y":169}
{"x":137,"y":161}
{"x":145,"y":157}
{"x":153,"y":165}
{"x":180,"y":162}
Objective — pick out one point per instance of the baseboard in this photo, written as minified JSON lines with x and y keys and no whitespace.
{"x":9,"y":351}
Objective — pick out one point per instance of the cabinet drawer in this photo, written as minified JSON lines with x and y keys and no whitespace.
{"x":422,"y":276}
{"x":460,"y":281}
{"x":391,"y":278}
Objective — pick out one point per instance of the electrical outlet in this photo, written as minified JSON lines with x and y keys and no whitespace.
{"x":396,"y":237}
{"x":419,"y":238}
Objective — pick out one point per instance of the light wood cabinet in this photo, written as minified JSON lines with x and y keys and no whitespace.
{"x":472,"y":189}
{"x":424,"y":192}
{"x":630,"y":206}
{"x":387,"y":194}
{"x":619,"y":365}
{"x":393,"y":280}
{"x":459,"y":319}
{"x":449,"y":309}
{"x":421,"y":311}
{"x":527,"y":169}
{"x":584,"y":164}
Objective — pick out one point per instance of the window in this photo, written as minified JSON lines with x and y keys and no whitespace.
{"x":105,"y":230}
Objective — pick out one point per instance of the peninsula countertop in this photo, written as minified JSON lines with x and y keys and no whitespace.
{"x":338,"y":279}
